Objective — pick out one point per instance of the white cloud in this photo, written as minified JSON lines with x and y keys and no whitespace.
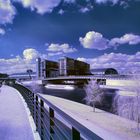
{"x":7,"y":11}
{"x":70,"y":1}
{"x":2,"y":31}
{"x":42,"y":6}
{"x":21,"y":64}
{"x":122,"y":3}
{"x":15,"y":65}
{"x":47,"y":6}
{"x":84,"y":9}
{"x":61,"y":12}
{"x":30,"y":54}
{"x":131,"y":39}
{"x":105,"y":1}
{"x":94,"y":40}
{"x":63,"y":48}
{"x":54,"y":54}
{"x":27,"y":3}
{"x":122,"y":62}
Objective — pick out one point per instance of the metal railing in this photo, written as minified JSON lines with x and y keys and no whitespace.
{"x":51,"y":122}
{"x":116,"y":77}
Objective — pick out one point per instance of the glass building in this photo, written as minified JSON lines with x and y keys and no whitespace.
{"x":69,"y":66}
{"x":50,"y":68}
{"x":46,"y":68}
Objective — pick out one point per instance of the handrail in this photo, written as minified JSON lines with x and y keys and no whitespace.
{"x":124,"y":77}
{"x":37,"y":103}
{"x":85,"y":131}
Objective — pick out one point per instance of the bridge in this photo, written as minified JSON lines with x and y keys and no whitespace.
{"x":116,"y":82}
{"x":90,"y":77}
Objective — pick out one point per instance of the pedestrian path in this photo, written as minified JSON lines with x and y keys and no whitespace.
{"x":106,"y":125}
{"x":14,"y":120}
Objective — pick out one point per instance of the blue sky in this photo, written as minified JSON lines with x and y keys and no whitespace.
{"x":104,"y":33}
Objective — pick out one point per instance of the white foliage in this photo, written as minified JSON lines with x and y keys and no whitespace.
{"x":93,"y":92}
{"x":129,"y":106}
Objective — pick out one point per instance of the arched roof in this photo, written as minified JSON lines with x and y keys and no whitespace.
{"x":106,"y":71}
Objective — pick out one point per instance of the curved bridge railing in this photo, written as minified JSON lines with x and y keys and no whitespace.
{"x":51,"y":122}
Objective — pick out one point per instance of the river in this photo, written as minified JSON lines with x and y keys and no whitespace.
{"x":77,"y":95}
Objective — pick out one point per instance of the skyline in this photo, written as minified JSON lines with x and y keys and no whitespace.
{"x":103,"y":33}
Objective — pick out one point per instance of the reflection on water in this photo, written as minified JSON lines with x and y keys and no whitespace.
{"x":63,"y":87}
{"x":77,"y":95}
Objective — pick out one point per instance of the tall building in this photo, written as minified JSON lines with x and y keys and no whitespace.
{"x":46,"y":68}
{"x":50,"y":69}
{"x":69,"y":66}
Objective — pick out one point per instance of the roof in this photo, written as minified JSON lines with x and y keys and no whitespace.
{"x":103,"y":70}
{"x":100,"y":69}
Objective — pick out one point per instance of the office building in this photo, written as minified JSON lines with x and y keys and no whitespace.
{"x":69,"y":66}
{"x":49,"y":69}
{"x":46,"y":68}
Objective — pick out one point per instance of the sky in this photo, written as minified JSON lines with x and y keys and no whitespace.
{"x":103,"y":33}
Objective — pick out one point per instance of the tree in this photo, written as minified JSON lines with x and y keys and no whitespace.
{"x":3,"y":75}
{"x":29,"y":71}
{"x":128,"y":103}
{"x":93,"y":93}
{"x":136,"y":102}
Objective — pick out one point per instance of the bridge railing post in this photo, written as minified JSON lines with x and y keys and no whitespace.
{"x":32,"y":100}
{"x":42,"y":119}
{"x":51,"y":115}
{"x":36,"y":112}
{"x":75,"y":134}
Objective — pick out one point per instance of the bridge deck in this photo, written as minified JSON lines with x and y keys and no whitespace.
{"x":14,"y":120}
{"x":105,"y":125}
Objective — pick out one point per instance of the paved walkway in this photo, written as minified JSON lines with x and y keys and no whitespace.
{"x":105,"y":125}
{"x":14,"y":122}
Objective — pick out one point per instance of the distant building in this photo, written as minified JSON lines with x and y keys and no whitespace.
{"x":49,"y":69}
{"x":69,"y":66}
{"x":3,"y":75}
{"x":46,"y":68}
{"x":104,"y":71}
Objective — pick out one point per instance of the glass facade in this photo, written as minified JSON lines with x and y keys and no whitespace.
{"x":65,"y":67}
{"x":69,"y":66}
